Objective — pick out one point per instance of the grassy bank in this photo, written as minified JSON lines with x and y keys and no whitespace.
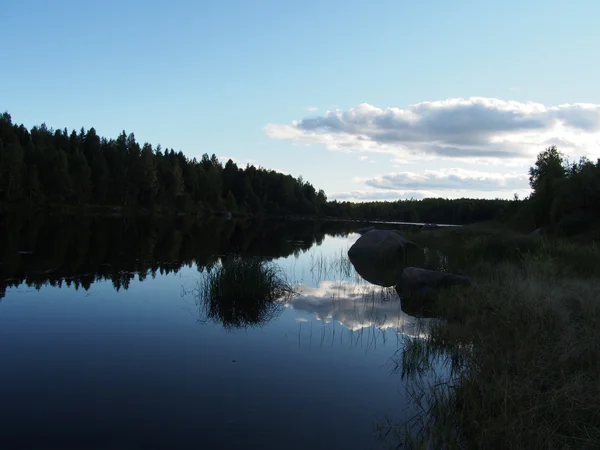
{"x":523,"y":344}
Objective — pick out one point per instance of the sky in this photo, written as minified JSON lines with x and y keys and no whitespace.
{"x":377,"y":100}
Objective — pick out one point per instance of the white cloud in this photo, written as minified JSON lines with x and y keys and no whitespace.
{"x":312,"y":108}
{"x":363,"y":157}
{"x":473,"y":128}
{"x":375,"y":195}
{"x":449,"y":180}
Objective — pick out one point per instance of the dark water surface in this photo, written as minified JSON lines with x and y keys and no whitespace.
{"x":104,"y":344}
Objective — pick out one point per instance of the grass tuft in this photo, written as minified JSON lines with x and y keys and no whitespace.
{"x":243,"y":292}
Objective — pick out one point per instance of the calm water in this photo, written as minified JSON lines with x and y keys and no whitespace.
{"x":103,"y":342}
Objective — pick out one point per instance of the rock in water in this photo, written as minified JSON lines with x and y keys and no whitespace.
{"x":380,"y":244}
{"x":379,"y":271}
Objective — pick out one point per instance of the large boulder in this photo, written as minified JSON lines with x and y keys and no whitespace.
{"x":419,"y":304}
{"x":380,"y":244}
{"x":364,"y":230}
{"x":417,"y":288}
{"x":382,"y":272}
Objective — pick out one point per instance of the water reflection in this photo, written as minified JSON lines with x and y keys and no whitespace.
{"x":242,"y":292}
{"x":134,"y":368}
{"x":339,"y":292}
{"x":355,"y":306}
{"x":356,"y":293}
{"x":380,"y":272}
{"x":79,"y":251}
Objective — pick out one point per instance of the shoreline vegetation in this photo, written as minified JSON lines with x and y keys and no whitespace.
{"x":522,"y":344}
{"x":520,"y":347}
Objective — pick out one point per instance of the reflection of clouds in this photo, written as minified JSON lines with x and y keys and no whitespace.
{"x":355,"y":306}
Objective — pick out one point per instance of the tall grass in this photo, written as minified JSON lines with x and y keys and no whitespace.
{"x":242,"y":292}
{"x":337,"y":265}
{"x":522,"y":345}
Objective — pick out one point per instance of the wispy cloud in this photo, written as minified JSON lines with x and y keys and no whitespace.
{"x":312,"y":108}
{"x":473,"y":128}
{"x":448,"y":179}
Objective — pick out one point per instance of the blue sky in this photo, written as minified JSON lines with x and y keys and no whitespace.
{"x":231,"y":77}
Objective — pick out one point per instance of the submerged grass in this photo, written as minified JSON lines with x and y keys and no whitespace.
{"x":523,"y":347}
{"x":241,"y":292}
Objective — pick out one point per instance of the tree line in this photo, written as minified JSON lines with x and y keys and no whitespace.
{"x":43,"y":168}
{"x":565,"y":200}
{"x":565,"y":195}
{"x":435,"y":210}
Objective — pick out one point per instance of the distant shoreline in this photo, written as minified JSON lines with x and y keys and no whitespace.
{"x":123,"y":211}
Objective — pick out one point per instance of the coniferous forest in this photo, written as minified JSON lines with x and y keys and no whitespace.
{"x":43,"y":168}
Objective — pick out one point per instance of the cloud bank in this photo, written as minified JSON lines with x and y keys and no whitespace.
{"x":476,"y":127}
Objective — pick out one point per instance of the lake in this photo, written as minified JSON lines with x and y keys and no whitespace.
{"x":105,"y":343}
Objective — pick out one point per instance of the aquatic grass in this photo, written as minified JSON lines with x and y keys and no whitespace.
{"x":524,"y":349}
{"x":243,"y":291}
{"x":337,"y":266}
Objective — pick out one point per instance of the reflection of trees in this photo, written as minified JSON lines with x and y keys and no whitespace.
{"x":77,"y":251}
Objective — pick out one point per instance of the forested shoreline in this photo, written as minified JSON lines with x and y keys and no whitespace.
{"x":49,"y":169}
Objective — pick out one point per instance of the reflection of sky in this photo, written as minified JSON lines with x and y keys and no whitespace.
{"x":136,"y":366}
{"x":319,"y":262}
{"x":331,"y":290}
{"x":355,"y":306}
